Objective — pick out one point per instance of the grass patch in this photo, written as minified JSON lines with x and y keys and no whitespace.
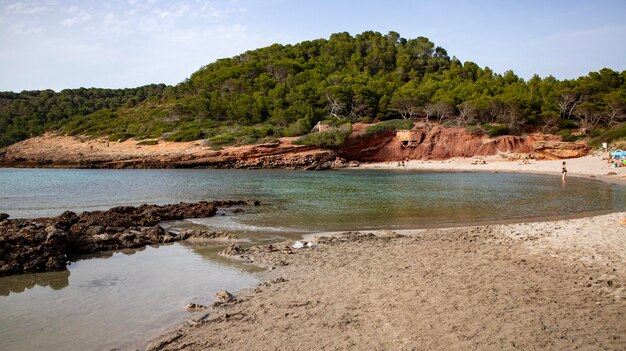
{"x":391,"y":125}
{"x":148,"y":142}
{"x":618,"y":133}
{"x":332,"y":138}
{"x":185,"y":135}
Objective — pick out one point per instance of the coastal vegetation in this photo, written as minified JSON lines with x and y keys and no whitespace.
{"x":284,"y":90}
{"x":391,"y":125}
{"x":334,"y":137}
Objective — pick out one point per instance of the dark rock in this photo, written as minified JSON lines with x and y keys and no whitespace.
{"x":224,"y":296}
{"x":3,"y":216}
{"x":28,"y":247}
{"x":95,"y":230}
{"x":209,"y":235}
{"x":195,"y":306}
{"x":66,"y":220}
{"x":43,"y":245}
{"x":232,"y":250}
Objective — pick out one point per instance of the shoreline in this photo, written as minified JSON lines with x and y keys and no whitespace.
{"x":590,"y":167}
{"x":531,"y":284}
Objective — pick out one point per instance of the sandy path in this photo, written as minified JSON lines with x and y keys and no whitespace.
{"x":552,"y":285}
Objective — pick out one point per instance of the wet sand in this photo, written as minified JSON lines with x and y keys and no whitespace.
{"x":545,"y":285}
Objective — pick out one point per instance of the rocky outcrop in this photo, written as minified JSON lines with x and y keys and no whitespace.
{"x":71,"y":152}
{"x":28,"y":246}
{"x":555,"y":150}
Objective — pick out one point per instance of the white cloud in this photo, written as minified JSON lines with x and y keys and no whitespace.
{"x":25,"y":7}
{"x":24,"y":28}
{"x":78,"y":16}
{"x":120,"y":44}
{"x":172,"y":13}
{"x":114,"y":23}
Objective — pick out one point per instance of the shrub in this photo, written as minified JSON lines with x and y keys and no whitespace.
{"x":300,"y":127}
{"x":120,"y":136}
{"x":613,"y":134}
{"x":568,"y":124}
{"x":148,"y":142}
{"x":494,"y":130}
{"x":566,"y":135}
{"x":223,"y":140}
{"x":391,"y":125}
{"x":185,"y":135}
{"x":334,"y":137}
{"x":473,"y":129}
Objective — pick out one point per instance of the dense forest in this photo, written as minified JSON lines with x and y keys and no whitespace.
{"x":284,"y":90}
{"x":30,"y":113}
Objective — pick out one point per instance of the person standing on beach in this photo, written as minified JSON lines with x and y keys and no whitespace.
{"x":563,"y":171}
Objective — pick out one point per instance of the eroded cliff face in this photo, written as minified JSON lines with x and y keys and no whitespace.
{"x":438,"y":143}
{"x":431,"y":142}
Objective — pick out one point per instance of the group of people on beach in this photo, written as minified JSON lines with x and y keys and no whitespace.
{"x":619,"y":163}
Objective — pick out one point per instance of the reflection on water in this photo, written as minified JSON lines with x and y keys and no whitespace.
{"x":119,"y":301}
{"x":20,"y":283}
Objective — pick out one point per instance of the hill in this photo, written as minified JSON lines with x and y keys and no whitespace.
{"x":284,"y":90}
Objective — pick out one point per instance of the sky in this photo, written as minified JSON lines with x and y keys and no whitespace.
{"x":60,"y":44}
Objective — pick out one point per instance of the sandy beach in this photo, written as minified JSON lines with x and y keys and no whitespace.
{"x":553,"y":285}
{"x":591,"y":166}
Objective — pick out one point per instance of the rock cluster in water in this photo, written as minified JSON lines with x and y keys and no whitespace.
{"x":42,"y":245}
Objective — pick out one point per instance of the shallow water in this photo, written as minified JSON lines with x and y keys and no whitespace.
{"x":124,"y":299}
{"x":118,"y":301}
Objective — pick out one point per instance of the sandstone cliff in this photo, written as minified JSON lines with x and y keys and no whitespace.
{"x":432,"y":142}
{"x":438,"y":143}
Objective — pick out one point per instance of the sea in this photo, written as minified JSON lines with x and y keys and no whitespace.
{"x":122,"y":299}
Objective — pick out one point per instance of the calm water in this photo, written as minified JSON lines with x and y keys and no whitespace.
{"x":302,"y":201}
{"x":123,"y":299}
{"x":117,"y":302}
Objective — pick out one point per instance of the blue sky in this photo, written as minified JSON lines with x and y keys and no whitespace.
{"x":116,"y":44}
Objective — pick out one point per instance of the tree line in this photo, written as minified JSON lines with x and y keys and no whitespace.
{"x":30,"y":113}
{"x":283,"y":90}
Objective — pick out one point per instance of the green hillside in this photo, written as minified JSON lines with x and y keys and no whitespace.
{"x":283,"y":90}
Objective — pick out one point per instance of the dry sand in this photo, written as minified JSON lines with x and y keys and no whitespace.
{"x":556,"y":285}
{"x":595,"y":166}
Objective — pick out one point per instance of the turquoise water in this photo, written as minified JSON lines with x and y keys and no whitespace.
{"x":309,"y":201}
{"x":123,"y":300}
